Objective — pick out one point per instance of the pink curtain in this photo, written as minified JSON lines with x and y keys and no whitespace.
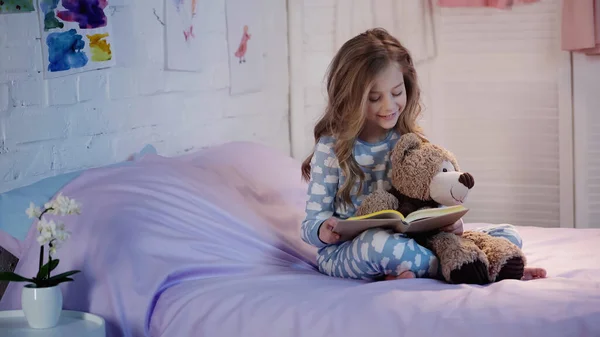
{"x":580,"y":26}
{"x":580,"y":29}
{"x":502,"y":4}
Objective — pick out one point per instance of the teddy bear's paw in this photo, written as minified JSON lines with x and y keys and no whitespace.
{"x":471,"y":273}
{"x":513,"y":269}
{"x":379,"y":200}
{"x":461,"y":260}
{"x":506,"y":260}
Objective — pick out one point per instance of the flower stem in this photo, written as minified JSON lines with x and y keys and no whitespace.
{"x":44,"y":212}
{"x":41,"y":257}
{"x":49,"y":258}
{"x":42,"y":246}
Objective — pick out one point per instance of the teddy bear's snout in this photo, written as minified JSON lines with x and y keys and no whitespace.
{"x":467,"y":180}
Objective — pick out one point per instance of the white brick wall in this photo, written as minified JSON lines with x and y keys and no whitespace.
{"x":97,"y":118}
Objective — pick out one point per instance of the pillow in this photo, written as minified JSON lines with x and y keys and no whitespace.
{"x":13,"y":203}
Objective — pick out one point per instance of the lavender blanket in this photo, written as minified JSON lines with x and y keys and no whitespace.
{"x":208,"y":245}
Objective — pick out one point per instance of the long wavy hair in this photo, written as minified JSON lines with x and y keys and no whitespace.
{"x":350,"y":77}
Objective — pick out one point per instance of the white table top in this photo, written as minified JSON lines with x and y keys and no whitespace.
{"x":71,"y":323}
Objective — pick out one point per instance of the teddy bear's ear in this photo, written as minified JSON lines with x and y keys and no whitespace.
{"x":406,"y":143}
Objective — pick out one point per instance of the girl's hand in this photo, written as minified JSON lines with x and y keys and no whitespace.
{"x":455,"y":228}
{"x":326,"y":233}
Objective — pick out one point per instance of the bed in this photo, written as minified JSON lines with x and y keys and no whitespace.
{"x":207,"y":244}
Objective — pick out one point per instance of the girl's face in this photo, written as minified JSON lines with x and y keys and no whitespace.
{"x":385,"y":103}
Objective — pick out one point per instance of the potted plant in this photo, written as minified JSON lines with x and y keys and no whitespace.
{"x":41,"y":298}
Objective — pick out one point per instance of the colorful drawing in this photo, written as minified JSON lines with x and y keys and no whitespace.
{"x":183,"y":19}
{"x":246,"y":55}
{"x":186,"y":9}
{"x":65,"y":51}
{"x":48,"y":7}
{"x":76,"y":36}
{"x":241,"y":51}
{"x":16,"y":6}
{"x":99,"y":47}
{"x":88,"y":13}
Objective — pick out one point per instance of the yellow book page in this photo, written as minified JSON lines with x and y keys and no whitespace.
{"x":385,"y":214}
{"x":431,"y":212}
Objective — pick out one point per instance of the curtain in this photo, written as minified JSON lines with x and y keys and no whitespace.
{"x":410,"y":21}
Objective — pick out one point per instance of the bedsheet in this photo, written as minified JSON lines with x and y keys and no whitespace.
{"x":208,"y":245}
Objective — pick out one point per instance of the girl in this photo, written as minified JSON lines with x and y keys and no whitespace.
{"x":373,"y":98}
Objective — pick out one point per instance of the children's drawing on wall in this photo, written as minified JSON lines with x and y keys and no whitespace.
{"x":16,"y":6}
{"x":190,"y":33}
{"x":76,"y":36}
{"x":186,"y":11}
{"x":245,"y":38}
{"x":241,"y":51}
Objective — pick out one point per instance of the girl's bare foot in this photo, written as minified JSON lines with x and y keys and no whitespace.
{"x":403,"y":275}
{"x":533,"y":273}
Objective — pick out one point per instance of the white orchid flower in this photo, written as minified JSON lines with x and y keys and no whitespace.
{"x":52,"y":251}
{"x":47,"y":231}
{"x":62,"y":205}
{"x":33,"y":211}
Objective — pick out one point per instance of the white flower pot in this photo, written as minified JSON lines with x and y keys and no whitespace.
{"x":41,"y":306}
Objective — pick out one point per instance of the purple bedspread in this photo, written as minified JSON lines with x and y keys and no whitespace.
{"x":208,"y":245}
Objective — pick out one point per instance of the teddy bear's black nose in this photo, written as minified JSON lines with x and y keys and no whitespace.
{"x":467,"y":180}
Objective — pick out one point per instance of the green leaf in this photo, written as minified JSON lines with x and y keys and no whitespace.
{"x":57,"y":282}
{"x":10,"y":276}
{"x":54,"y":265}
{"x":43,"y":272}
{"x":63,"y":275}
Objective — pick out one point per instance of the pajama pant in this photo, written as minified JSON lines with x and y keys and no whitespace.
{"x":378,"y":252}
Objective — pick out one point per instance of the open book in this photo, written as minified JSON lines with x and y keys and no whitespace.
{"x":416,"y":222}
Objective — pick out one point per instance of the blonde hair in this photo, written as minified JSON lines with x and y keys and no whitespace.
{"x":350,"y":76}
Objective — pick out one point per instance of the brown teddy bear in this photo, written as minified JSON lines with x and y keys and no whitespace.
{"x":426,"y":175}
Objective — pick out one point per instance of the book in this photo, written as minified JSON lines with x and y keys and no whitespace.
{"x":420,"y":221}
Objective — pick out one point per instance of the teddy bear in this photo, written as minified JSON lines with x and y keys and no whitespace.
{"x":425,"y":175}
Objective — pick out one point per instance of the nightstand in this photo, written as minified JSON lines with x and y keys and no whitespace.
{"x":71,"y":323}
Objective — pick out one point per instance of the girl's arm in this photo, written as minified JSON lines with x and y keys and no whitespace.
{"x":322,"y":188}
